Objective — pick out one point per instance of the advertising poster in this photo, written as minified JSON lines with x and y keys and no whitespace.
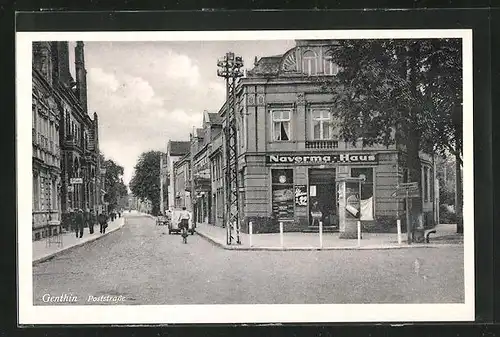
{"x":283,"y":199}
{"x":301,"y":195}
{"x":352,"y":200}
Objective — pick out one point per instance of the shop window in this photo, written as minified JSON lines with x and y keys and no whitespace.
{"x":281,"y":124}
{"x":321,"y":124}
{"x":309,"y":63}
{"x":283,"y":196}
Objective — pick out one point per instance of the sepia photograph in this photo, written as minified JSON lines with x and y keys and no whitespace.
{"x":235,"y":177}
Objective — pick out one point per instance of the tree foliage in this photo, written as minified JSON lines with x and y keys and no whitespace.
{"x":412,"y":86}
{"x":145,"y":183}
{"x":407,"y":92}
{"x":113,"y":182}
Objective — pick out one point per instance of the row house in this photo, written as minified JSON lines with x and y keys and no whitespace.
{"x":66,"y":168}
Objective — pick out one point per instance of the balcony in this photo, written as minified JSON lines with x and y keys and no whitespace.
{"x":71,"y":142}
{"x":322,"y":144}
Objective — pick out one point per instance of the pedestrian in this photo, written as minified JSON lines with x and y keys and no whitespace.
{"x":103,"y":222}
{"x":92,"y":221}
{"x":79,"y":221}
{"x":87,"y":219}
{"x":184,"y":217}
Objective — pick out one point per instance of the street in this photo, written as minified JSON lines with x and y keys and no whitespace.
{"x":142,"y":264}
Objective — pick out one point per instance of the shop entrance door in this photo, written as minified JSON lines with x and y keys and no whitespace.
{"x":323,"y":197}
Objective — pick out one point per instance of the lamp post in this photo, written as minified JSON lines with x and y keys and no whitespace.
{"x":230,"y":69}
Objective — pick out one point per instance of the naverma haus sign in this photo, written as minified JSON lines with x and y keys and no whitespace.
{"x":322,"y":159}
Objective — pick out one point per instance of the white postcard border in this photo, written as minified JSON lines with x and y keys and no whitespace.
{"x":154,"y":314}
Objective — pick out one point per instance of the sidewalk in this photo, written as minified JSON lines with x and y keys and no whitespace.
{"x":43,"y":252}
{"x":445,"y":235}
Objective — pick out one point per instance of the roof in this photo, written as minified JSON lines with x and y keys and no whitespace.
{"x":214,"y":118}
{"x":179,"y":148}
{"x":268,"y":65}
{"x":200,"y":133}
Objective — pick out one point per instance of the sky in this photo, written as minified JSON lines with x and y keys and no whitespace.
{"x":146,"y":93}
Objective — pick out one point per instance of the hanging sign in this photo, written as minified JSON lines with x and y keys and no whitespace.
{"x":76,"y":181}
{"x":300,"y":195}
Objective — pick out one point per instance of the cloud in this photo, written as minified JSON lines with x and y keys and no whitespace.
{"x":181,"y":67}
{"x":103,"y":79}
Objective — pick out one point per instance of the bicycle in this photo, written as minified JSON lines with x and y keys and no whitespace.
{"x":184,"y":231}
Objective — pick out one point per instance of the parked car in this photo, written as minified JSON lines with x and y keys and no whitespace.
{"x":173,"y":225}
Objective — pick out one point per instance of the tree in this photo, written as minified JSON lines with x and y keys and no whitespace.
{"x":113,"y":182}
{"x":145,"y":183}
{"x":404,"y":92}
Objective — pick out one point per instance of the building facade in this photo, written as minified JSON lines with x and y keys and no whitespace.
{"x":66,"y":171}
{"x":46,"y":153}
{"x":291,"y":156}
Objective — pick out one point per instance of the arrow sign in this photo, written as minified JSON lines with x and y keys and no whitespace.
{"x":406,"y":190}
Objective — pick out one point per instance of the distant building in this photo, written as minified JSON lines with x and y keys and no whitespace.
{"x":175,"y":150}
{"x":182,"y":183}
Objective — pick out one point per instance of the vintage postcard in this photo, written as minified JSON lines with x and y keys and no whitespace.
{"x":245,"y":176}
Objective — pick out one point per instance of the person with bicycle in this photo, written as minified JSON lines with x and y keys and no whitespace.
{"x":184,"y":223}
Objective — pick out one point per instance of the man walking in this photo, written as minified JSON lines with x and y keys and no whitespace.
{"x":91,"y":221}
{"x":101,"y":218}
{"x":79,"y":220}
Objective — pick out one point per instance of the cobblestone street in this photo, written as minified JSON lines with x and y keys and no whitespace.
{"x":145,"y":265}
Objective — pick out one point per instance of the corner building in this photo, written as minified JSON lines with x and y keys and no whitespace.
{"x":290,"y":156}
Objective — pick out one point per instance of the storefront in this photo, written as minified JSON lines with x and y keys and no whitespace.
{"x":303,"y":184}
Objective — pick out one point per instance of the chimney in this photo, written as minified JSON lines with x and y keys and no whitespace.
{"x":81,"y":75}
{"x":62,"y":64}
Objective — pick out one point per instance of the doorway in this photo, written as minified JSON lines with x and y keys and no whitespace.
{"x":323,"y":196}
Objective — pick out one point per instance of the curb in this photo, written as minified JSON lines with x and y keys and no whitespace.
{"x":279,"y":249}
{"x":48,"y":257}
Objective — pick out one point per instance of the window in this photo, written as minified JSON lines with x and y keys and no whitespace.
{"x":244,"y":130}
{"x":283,"y":196}
{"x":426,"y":184}
{"x":36,"y":192}
{"x":329,"y":68}
{"x":321,"y":123}
{"x":281,"y":124}
{"x":309,"y":63}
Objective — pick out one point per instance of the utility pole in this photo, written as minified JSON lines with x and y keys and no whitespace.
{"x":230,"y":69}
{"x":193,"y":147}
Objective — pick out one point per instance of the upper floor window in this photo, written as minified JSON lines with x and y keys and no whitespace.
{"x":310,"y":63}
{"x":321,"y":123}
{"x":329,"y":67}
{"x":281,"y":124}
